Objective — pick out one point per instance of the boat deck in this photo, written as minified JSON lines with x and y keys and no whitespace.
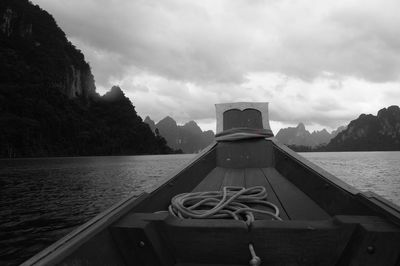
{"x":293,"y":203}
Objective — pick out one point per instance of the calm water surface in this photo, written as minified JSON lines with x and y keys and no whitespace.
{"x":41,"y":200}
{"x":374,"y":171}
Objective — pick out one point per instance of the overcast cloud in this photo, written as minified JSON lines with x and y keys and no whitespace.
{"x":318,"y":62}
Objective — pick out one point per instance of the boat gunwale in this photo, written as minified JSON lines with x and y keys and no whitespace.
{"x":170,"y":177}
{"x":77,"y":237}
{"x":65,"y":246}
{"x":316,"y":169}
{"x":382,"y":205}
{"x":88,"y":229}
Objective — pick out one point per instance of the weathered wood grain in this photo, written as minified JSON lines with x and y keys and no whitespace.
{"x":255,"y":177}
{"x":140,"y":241}
{"x":275,"y":242}
{"x":245,"y":154}
{"x":213,"y":181}
{"x":300,"y":242}
{"x":297,"y":205}
{"x":184,"y":181}
{"x":208,"y":241}
{"x":233,"y":177}
{"x":329,"y":192}
{"x":382,"y":206}
{"x":374,"y":242}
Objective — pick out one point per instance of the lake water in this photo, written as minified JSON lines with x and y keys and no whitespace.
{"x":43,"y":199}
{"x":375,"y":171}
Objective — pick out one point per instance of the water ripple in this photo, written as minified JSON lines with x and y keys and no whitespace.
{"x":374,"y":171}
{"x":42,"y":200}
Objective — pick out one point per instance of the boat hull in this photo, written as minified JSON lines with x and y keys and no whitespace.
{"x":325,"y":221}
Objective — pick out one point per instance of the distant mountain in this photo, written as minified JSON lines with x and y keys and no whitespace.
{"x":193,"y":139}
{"x":150,"y":122}
{"x":337,"y":131}
{"x":48,"y":102}
{"x":299,"y":136}
{"x":320,"y":137}
{"x":370,"y":133}
{"x":189,"y":138}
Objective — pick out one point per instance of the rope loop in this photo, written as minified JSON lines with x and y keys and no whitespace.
{"x":232,"y":202}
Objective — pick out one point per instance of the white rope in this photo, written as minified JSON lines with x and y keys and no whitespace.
{"x":231,"y":202}
{"x":234,"y":202}
{"x":255,"y":260}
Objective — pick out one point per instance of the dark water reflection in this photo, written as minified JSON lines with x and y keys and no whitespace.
{"x":41,"y":200}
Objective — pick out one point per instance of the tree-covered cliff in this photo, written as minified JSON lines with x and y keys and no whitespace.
{"x":34,"y":50}
{"x":48,"y":103}
{"x":370,"y":133}
{"x":40,"y":121}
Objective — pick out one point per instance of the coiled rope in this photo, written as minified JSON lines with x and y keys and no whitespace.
{"x":234,"y":202}
{"x":231,"y":202}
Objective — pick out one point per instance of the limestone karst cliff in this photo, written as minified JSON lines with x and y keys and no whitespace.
{"x":34,"y":50}
{"x":150,"y":122}
{"x":189,"y":137}
{"x":299,"y":136}
{"x":48,"y":100}
{"x":370,"y":132}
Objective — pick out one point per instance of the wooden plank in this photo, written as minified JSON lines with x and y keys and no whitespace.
{"x":331,"y":193}
{"x":99,"y":250}
{"x":233,"y":177}
{"x":276,"y":242}
{"x":285,"y":154}
{"x":140,"y":242}
{"x":300,"y":242}
{"x":344,"y":240}
{"x":255,"y":177}
{"x":382,"y":206}
{"x":245,"y":154}
{"x":208,"y":241}
{"x":374,"y":242}
{"x":213,"y":181}
{"x":298,"y":206}
{"x":185,"y":180}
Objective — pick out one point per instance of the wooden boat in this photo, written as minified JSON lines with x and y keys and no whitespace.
{"x":324,"y":220}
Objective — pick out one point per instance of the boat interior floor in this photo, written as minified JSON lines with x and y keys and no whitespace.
{"x":293,"y":204}
{"x":324,"y":221}
{"x":308,"y":235}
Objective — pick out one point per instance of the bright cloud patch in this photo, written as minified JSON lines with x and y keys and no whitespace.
{"x":319,"y":62}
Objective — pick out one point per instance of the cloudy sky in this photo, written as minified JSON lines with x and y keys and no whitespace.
{"x":319,"y":62}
